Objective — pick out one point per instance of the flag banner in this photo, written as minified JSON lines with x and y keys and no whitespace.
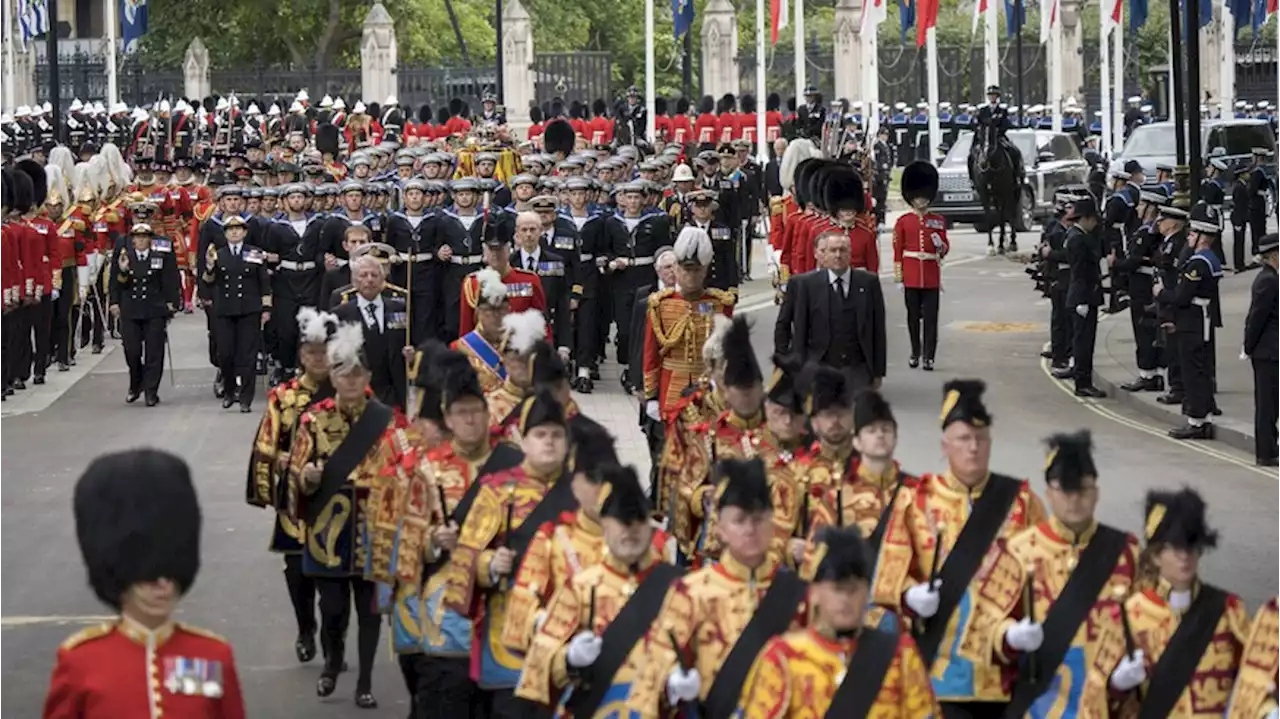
{"x":1015,"y":15}
{"x":33,"y":19}
{"x":779,"y":12}
{"x":907,"y":15}
{"x":1137,"y":15}
{"x":1048,"y":18}
{"x":681,"y":16}
{"x":133,"y":23}
{"x":927,"y":10}
{"x":874,"y":12}
{"x":979,"y":9}
{"x":1115,"y":14}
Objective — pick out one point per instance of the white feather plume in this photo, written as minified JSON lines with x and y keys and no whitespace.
{"x":314,"y":325}
{"x":797,"y":152}
{"x":713,"y":348}
{"x":118,"y":171}
{"x":85,"y":180}
{"x":344,"y":347}
{"x":57,"y":185}
{"x":693,"y":245}
{"x":62,"y":157}
{"x":523,"y":330}
{"x":493,"y":291}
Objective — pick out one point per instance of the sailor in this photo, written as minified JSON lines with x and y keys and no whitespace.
{"x":463,"y":229}
{"x":412,"y":231}
{"x":144,"y":295}
{"x":1139,"y":263}
{"x":292,"y":237}
{"x":240,"y":289}
{"x":919,"y":245}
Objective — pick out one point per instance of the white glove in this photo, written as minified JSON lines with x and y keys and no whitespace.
{"x":564,"y":354}
{"x":94,"y":260}
{"x":82,"y":278}
{"x":651,"y":409}
{"x":923,"y":599}
{"x":54,"y":294}
{"x":1273,"y":714}
{"x":1025,"y":636}
{"x":584,"y":650}
{"x":901,"y":287}
{"x":1130,"y":672}
{"x":937,"y":242}
{"x":1082,"y":310}
{"x":683,"y":686}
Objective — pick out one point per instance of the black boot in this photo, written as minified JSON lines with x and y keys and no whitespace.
{"x":1144,"y":384}
{"x":1189,"y":431}
{"x":1170,"y":398}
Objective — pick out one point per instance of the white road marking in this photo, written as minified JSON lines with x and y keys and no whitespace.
{"x":37,"y":398}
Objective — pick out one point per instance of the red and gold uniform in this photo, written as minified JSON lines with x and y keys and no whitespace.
{"x":732,"y":437}
{"x":121,"y":669}
{"x":686,"y":460}
{"x":1052,"y":552}
{"x":524,"y":292}
{"x":503,"y":400}
{"x":1254,"y":693}
{"x":546,"y":673}
{"x":485,"y":358}
{"x":797,"y":674}
{"x":675,"y":330}
{"x":969,"y":670}
{"x":919,"y":244}
{"x":1154,"y":621}
{"x":73,"y":243}
{"x":782,"y":211}
{"x":12,"y":265}
{"x":45,"y":262}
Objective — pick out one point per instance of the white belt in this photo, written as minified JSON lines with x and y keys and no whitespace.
{"x":1201,"y":302}
{"x":1064,"y":266}
{"x":466,"y":259}
{"x":420,"y":257}
{"x":1146,"y":271}
{"x":586,"y":257}
{"x":1117,"y":225}
{"x":297,"y":266}
{"x":921,"y":255}
{"x":638,"y":261}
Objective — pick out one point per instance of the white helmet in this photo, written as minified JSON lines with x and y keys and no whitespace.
{"x":164,"y":106}
{"x":326,"y":102}
{"x":118,"y":107}
{"x":273,"y":111}
{"x":682,"y":174}
{"x":296,"y":107}
{"x":46,"y":107}
{"x":339,"y":104}
{"x":253,"y":109}
{"x":22,"y":111}
{"x":391,"y":100}
{"x":222,"y":105}
{"x":76,"y":106}
{"x":302,"y":96}
{"x":235,"y":101}
{"x":359,"y":108}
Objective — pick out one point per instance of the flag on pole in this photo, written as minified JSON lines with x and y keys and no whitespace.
{"x":1015,"y":15}
{"x":33,"y":18}
{"x":779,"y":13}
{"x":1115,"y":13}
{"x":979,"y":9}
{"x":1048,"y":18}
{"x":133,"y":23}
{"x":1262,"y":9}
{"x":874,"y":12}
{"x":907,"y":16}
{"x":928,"y":11}
{"x":1137,"y":15}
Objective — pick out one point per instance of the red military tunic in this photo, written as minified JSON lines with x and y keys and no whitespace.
{"x":119,"y":670}
{"x":797,"y":250}
{"x":919,"y":244}
{"x":681,"y":129}
{"x":524,"y":291}
{"x":864,"y":252}
{"x":10,"y":265}
{"x":44,"y":255}
{"x":704,"y":128}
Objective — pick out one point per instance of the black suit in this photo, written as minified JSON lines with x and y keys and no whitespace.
{"x":556,"y":274}
{"x":818,"y":317}
{"x":1261,"y":344}
{"x":148,"y":291}
{"x":241,"y":289}
{"x":382,"y":346}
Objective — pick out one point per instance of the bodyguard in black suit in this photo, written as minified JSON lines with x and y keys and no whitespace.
{"x":240,"y":285}
{"x":1261,"y":346}
{"x":553,"y":269}
{"x":385,"y":321}
{"x":837,"y":315}
{"x":144,"y":293}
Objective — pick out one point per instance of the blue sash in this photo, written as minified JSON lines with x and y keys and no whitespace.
{"x":487,"y":354}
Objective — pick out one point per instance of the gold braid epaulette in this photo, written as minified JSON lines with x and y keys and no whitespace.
{"x":666,"y":341}
{"x":470,"y":290}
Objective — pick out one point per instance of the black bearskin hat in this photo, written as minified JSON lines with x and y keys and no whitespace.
{"x":375,"y":110}
{"x":840,"y":554}
{"x":816,"y":181}
{"x":919,"y":180}
{"x":599,"y":107}
{"x":327,"y":139}
{"x":442,"y":115}
{"x":39,"y":184}
{"x":727,"y":103}
{"x":535,"y":114}
{"x":457,"y":379}
{"x":424,"y":114}
{"x":623,"y":498}
{"x":740,"y":366}
{"x":23,"y":192}
{"x":742,"y":483}
{"x":557,"y":108}
{"x":593,"y":448}
{"x":137,"y":520}
{"x":962,"y":402}
{"x":870,"y":407}
{"x":748,"y":103}
{"x":682,"y":105}
{"x":539,"y":409}
{"x":825,"y":388}
{"x":1178,"y":519}
{"x":791,"y":103}
{"x":210,"y":103}
{"x":773,"y":102}
{"x":6,"y":186}
{"x":784,"y":384}
{"x":457,"y":106}
{"x":575,"y":110}
{"x":558,"y":138}
{"x":545,"y":366}
{"x":1070,"y":460}
{"x":842,"y":189}
{"x":800,"y":188}
{"x":660,"y":105}
{"x":706,"y":104}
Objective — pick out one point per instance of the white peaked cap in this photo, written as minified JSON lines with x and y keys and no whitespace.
{"x":76,"y":106}
{"x":22,"y":111}
{"x":302,"y":96}
{"x":118,"y":107}
{"x":296,"y":107}
{"x":693,"y":245}
{"x":339,"y":104}
{"x":326,"y":101}
{"x":523,"y":330}
{"x":391,"y":100}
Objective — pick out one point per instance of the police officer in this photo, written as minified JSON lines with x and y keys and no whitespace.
{"x":1258,"y":186}
{"x":1194,"y":305}
{"x":144,"y":292}
{"x":237,"y":273}
{"x":1084,"y":294}
{"x":1138,"y":265}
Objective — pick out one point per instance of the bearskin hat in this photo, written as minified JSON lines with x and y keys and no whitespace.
{"x":593,"y":448}
{"x":39,"y":183}
{"x":727,"y":103}
{"x":545,"y":366}
{"x":539,"y":409}
{"x":6,"y":187}
{"x":623,"y":498}
{"x":817,"y":178}
{"x":742,"y":483}
{"x":137,"y":520}
{"x":442,"y":115}
{"x":870,"y":407}
{"x":599,"y":107}
{"x":660,"y":105}
{"x":558,"y":138}
{"x":1178,"y":520}
{"x":919,"y":180}
{"x":682,"y":105}
{"x":740,"y":366}
{"x":1070,"y":460}
{"x":962,"y":402}
{"x":825,"y":388}
{"x":706,"y":105}
{"x":783,"y":386}
{"x":424,"y":114}
{"x":840,"y":554}
{"x":535,"y":114}
{"x":23,"y":191}
{"x":800,"y":184}
{"x":773,"y":102}
{"x":375,"y":111}
{"x":747,"y":103}
{"x":842,"y":189}
{"x":327,"y":139}
{"x":575,"y":110}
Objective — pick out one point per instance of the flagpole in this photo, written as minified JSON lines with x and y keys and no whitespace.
{"x":1117,"y":83}
{"x":800,"y":53}
{"x":9,"y":73}
{"x":55,"y":84}
{"x":1104,"y":76}
{"x":1055,"y":70}
{"x":1227,"y":66}
{"x":650,"y":83}
{"x":113,"y":88}
{"x":1173,"y":79}
{"x":762,"y":154}
{"x":991,"y":53}
{"x":931,"y":70}
{"x":871,"y":76}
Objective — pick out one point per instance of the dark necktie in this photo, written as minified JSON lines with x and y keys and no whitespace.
{"x":839,"y":285}
{"x":530,"y":263}
{"x":371,"y":309}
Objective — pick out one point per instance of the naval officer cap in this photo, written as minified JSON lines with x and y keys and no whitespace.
{"x":416,"y":183}
{"x":351,"y":186}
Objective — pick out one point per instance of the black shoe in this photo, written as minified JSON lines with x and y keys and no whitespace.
{"x":1144,"y":384}
{"x":153,"y":399}
{"x":72,"y":362}
{"x":19,"y":385}
{"x":1064,"y":373}
{"x":913,"y":362}
{"x":1268,"y":461}
{"x":245,"y":409}
{"x":625,"y":379}
{"x":1216,"y":411}
{"x":8,"y":391}
{"x":1090,"y":391}
{"x":133,"y":396}
{"x":1170,"y":398}
{"x":928,"y":365}
{"x":326,"y":685}
{"x":595,"y":374}
{"x":1204,"y":431}
{"x":305,"y":647}
{"x":227,"y":402}
{"x":97,"y":349}
{"x":365,"y":700}
{"x":63,"y":367}
{"x":1047,"y":354}
{"x":38,"y":379}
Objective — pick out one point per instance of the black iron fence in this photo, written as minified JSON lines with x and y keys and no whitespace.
{"x":262,"y":82}
{"x":581,"y":76}
{"x":84,"y":76}
{"x":436,"y":86}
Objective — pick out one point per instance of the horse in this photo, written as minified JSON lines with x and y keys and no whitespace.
{"x":996,"y":171}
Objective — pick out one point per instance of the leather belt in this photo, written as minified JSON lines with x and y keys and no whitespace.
{"x":466,"y":259}
{"x":1146,"y":271}
{"x":921,"y":255}
{"x":297,"y":266}
{"x":420,"y":257}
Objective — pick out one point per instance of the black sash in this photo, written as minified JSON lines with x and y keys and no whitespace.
{"x":1172,"y":674}
{"x":857,"y":692}
{"x":877,"y":536}
{"x":364,"y":434}
{"x":1069,"y":611}
{"x":770,"y":619}
{"x":504,"y":456}
{"x":618,"y":639}
{"x":559,"y":498}
{"x":984,"y":523}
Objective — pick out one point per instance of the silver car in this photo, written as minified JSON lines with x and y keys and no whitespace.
{"x":1051,"y":159}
